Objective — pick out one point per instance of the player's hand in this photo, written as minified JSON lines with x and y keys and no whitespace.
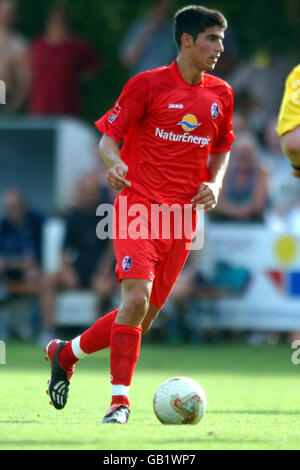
{"x":207,"y":196}
{"x":116,"y":177}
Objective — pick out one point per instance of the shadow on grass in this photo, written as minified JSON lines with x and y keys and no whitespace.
{"x":238,"y":359}
{"x":42,"y":444}
{"x":155,"y":444}
{"x":256,"y":412}
{"x":18,"y":421}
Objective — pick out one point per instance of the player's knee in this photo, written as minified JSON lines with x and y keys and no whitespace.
{"x":135,"y":309}
{"x":139,"y":305}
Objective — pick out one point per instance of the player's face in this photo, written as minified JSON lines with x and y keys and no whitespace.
{"x":207,"y":48}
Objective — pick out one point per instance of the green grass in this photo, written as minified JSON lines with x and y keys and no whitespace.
{"x":252,"y":393}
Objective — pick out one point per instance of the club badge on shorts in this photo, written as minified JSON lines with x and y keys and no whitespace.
{"x":126,"y":263}
{"x":215,"y":110}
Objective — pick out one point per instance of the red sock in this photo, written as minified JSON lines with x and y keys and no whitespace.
{"x":66,"y":357}
{"x":120,"y":400}
{"x":94,"y":339}
{"x":98,"y":336}
{"x":124,"y":354}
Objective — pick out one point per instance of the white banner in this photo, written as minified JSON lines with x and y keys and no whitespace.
{"x":264,"y":271}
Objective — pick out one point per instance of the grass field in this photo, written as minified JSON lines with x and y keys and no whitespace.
{"x":252,"y":393}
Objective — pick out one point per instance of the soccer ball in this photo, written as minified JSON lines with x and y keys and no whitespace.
{"x":179,"y":400}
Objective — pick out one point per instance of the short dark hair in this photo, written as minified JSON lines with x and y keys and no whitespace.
{"x":196,"y":19}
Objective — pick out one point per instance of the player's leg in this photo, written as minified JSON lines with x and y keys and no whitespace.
{"x":125,"y":345}
{"x":63,"y":355}
{"x":97,"y":337}
{"x":152,"y":313}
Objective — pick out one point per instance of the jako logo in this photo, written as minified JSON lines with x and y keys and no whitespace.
{"x":189,"y":123}
{"x":2,"y":353}
{"x":175,"y":106}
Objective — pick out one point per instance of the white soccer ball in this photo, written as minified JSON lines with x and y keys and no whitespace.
{"x":179,"y":400}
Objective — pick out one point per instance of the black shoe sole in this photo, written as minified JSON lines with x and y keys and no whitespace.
{"x":58,"y":388}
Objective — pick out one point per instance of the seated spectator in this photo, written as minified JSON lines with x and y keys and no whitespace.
{"x":20,"y":239}
{"x":283,"y":212}
{"x":20,"y":265}
{"x":14,"y":65}
{"x":149,"y":42}
{"x":244,"y":194}
{"x":60,"y":62}
{"x":239,"y":123}
{"x":86,"y":261}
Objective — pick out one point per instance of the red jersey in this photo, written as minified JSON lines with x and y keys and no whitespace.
{"x":169,"y":129}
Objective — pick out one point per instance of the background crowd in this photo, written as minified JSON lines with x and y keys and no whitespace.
{"x":66,"y":60}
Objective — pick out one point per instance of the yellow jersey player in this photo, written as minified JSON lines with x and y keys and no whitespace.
{"x":289,"y":120}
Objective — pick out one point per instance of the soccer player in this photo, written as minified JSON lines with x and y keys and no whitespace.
{"x":289,"y":120}
{"x":176,"y":125}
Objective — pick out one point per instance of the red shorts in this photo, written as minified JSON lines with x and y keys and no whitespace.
{"x":159,"y":260}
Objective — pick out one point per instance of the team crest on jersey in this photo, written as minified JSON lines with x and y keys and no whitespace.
{"x":189,"y":123}
{"x":215,"y":110}
{"x":126,"y":263}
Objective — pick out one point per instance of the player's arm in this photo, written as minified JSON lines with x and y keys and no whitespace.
{"x":289,"y":120}
{"x":110,"y":152}
{"x":114,"y":125}
{"x":290,"y":143}
{"x":208,"y":192}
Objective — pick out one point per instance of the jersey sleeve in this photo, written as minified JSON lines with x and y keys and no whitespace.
{"x":289,"y":114}
{"x":225,"y":135}
{"x":128,"y":110}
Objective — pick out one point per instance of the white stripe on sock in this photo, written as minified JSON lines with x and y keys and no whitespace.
{"x":77,"y":351}
{"x":120,"y":390}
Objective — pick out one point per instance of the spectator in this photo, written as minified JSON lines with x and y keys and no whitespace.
{"x":20,"y":239}
{"x":149,"y":43}
{"x":14,"y":66}
{"x":244,"y":195}
{"x":86,"y":261}
{"x":258,"y":87}
{"x":239,"y":124}
{"x":60,"y":62}
{"x":231,"y":56}
{"x":20,"y":257}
